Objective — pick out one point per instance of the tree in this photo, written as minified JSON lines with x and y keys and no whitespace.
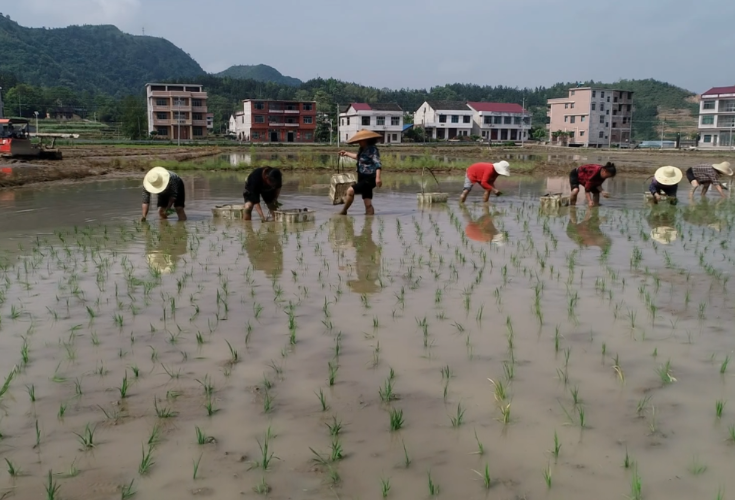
{"x":134,"y":117}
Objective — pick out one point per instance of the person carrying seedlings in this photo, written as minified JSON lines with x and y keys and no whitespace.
{"x":170,"y":190}
{"x":368,"y":170}
{"x":707,"y":175}
{"x":484,"y":174}
{"x":665,"y":182}
{"x":263,"y":182}
{"x":590,"y":177}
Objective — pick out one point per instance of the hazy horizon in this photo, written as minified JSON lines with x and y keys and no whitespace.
{"x":421,"y":44}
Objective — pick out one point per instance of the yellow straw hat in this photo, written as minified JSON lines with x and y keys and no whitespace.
{"x":364,"y":135}
{"x":664,"y":234}
{"x":668,"y":176}
{"x":723,"y":168}
{"x":156,"y":180}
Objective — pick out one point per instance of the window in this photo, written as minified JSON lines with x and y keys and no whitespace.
{"x":630,"y":95}
{"x":708,"y":138}
{"x":365,"y":121}
{"x":342,"y":122}
{"x":615,"y":99}
{"x":566,"y":119}
{"x":581,"y":133}
{"x":572,"y":119}
{"x":507,"y":120}
{"x":630,"y":107}
{"x":180,"y":115}
{"x":708,"y":120}
{"x":256,"y":135}
{"x":308,"y":120}
{"x":607,"y":112}
{"x":582,"y":118}
{"x":602,"y":106}
{"x":394,"y":138}
{"x":602,"y":119}
{"x":308,"y":106}
{"x":275,"y":119}
{"x":727,"y":106}
{"x":620,"y":107}
{"x":162,"y":116}
{"x":594,"y":93}
{"x":608,"y":98}
{"x":466,"y":119}
{"x":571,"y":134}
{"x":161,"y":102}
{"x":602,"y":134}
{"x":566,"y":105}
{"x":615,"y":112}
{"x":258,"y":105}
{"x":572,"y":106}
{"x":259,"y":119}
{"x":615,"y":125}
{"x":380,"y":120}
{"x":594,"y":106}
{"x":198,"y":116}
{"x":442,"y":118}
{"x":348,"y":120}
{"x":487,"y":120}
{"x":571,"y":92}
{"x":497,"y":120}
{"x":625,"y":120}
{"x":395,"y":121}
{"x":198,"y":131}
{"x":526,"y":120}
{"x":516,"y":120}
{"x":726,"y":122}
{"x":607,"y":124}
{"x":196,"y":103}
{"x":602,"y":94}
{"x":308,"y":136}
{"x":181,"y":102}
{"x":162,"y":130}
{"x":455,"y":118}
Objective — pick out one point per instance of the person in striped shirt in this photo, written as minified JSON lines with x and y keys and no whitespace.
{"x":706,"y":175}
{"x":590,"y":177}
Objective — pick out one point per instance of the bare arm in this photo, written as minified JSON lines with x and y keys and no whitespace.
{"x":720,"y":190}
{"x":259,"y":209}
{"x":348,"y":154}
{"x":146,"y":206}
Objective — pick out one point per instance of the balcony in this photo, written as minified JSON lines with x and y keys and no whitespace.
{"x":291,"y":111}
{"x":199,"y":123}
{"x":199,"y":109}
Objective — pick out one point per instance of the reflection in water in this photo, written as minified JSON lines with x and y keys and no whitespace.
{"x":264,"y":249}
{"x":703,"y":213}
{"x":587,"y":233}
{"x":662,"y":219}
{"x":482,"y":229}
{"x":163,"y":248}
{"x":368,"y":255}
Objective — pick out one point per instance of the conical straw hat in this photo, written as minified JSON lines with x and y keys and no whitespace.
{"x":502,"y":168}
{"x":723,"y":168}
{"x":668,"y":176}
{"x":156,"y":180}
{"x":363,"y":135}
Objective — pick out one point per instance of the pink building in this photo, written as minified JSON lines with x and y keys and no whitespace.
{"x":717,"y":118}
{"x":591,"y":117}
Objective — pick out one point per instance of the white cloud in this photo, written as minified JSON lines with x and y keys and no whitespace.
{"x":62,"y":13}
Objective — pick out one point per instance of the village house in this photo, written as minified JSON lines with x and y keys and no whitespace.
{"x":445,"y":120}
{"x":717,"y":118}
{"x":274,"y":121}
{"x":384,"y":119}
{"x":494,"y":121}
{"x":591,"y":117}
{"x":177,"y":111}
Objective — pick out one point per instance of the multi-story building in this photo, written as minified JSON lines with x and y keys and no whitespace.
{"x":2,"y":109}
{"x":383,"y":119}
{"x":495,"y":121}
{"x":177,"y":111}
{"x":444,"y":120}
{"x":275,"y":121}
{"x":591,"y":117}
{"x":717,"y":118}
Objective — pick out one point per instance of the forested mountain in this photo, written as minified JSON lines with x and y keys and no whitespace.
{"x":259,"y":73}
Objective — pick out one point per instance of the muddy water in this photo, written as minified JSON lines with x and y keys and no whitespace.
{"x":572,"y":312}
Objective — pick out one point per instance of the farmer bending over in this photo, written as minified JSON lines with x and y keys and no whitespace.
{"x":591,"y":178}
{"x":707,"y":175}
{"x":265,"y":182}
{"x":170,"y":190}
{"x":485,"y":175}
{"x":665,"y":182}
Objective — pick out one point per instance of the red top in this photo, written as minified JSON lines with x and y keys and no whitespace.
{"x":590,"y":177}
{"x":484,"y":173}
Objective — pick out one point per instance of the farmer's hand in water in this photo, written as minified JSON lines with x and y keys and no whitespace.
{"x":605,"y":194}
{"x":498,"y":193}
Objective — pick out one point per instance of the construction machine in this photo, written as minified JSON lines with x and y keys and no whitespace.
{"x":15,"y":142}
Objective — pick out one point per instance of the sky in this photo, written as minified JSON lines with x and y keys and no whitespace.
{"x":424,"y":43}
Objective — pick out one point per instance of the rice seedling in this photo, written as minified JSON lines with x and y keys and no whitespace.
{"x":86,"y":438}
{"x":13,"y":470}
{"x":266,"y":456}
{"x":636,"y":485}
{"x":504,"y":413}
{"x":664,"y":373}
{"x":209,"y":406}
{"x":719,"y":407}
{"x":446,"y":373}
{"x":627,"y":461}
{"x":164,"y":412}
{"x":406,"y":457}
{"x":196,"y":466}
{"x":433,"y":487}
{"x":459,"y":418}
{"x":386,"y":391}
{"x":485,"y":475}
{"x":127,"y":491}
{"x":146,"y":461}
{"x":31,"y":389}
{"x":725,"y":363}
{"x":384,"y":487}
{"x":335,"y":428}
{"x":206,"y":384}
{"x":557,"y":446}
{"x":396,"y":419}
{"x":154,"y":437}
{"x":582,"y":418}
{"x":62,"y":411}
{"x":51,"y":487}
{"x":262,"y":488}
{"x":38,"y":436}
{"x":73,"y":470}
{"x":123,"y":389}
{"x":333,"y":367}
{"x":641,"y":405}
{"x":547,"y":476}
{"x":267,"y":402}
{"x":322,"y":399}
{"x":696,"y":467}
{"x":501,"y":392}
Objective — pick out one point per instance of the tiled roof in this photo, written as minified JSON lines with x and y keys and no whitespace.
{"x":361,"y":106}
{"x":496,"y":107}
{"x":386,"y":107}
{"x":448,"y":105}
{"x":720,"y":90}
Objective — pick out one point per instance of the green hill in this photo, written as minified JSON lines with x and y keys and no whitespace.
{"x":91,"y":58}
{"x":259,"y":73}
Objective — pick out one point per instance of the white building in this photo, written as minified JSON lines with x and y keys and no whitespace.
{"x":236,"y":126}
{"x":717,"y":118}
{"x":384,"y":119}
{"x":444,"y":120}
{"x":494,"y":121}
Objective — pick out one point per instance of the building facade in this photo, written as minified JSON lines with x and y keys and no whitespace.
{"x":717,"y":118}
{"x":274,"y":121}
{"x":2,"y":108}
{"x":177,"y":112}
{"x":591,"y":117}
{"x":445,"y":120}
{"x":494,"y":121}
{"x":384,"y":119}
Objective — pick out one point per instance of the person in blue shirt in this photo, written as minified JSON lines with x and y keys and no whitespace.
{"x":368,"y":170}
{"x":665,"y":182}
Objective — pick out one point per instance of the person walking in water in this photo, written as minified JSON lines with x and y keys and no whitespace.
{"x":369,"y":170}
{"x":707,"y":175}
{"x":484,"y":174}
{"x":170,"y":190}
{"x":590,"y":177}
{"x":665,"y":182}
{"x":265,"y":182}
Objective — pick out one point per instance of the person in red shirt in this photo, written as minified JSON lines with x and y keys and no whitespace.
{"x":485,"y":175}
{"x":591,"y":178}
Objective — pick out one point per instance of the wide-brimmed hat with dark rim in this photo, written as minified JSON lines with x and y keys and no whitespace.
{"x":364,"y":135}
{"x":668,"y":176}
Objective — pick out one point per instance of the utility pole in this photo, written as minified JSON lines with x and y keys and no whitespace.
{"x":663,"y":128}
{"x":523,"y":119}
{"x":36,"y":113}
{"x":330,"y":142}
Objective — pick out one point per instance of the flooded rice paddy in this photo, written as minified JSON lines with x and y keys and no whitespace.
{"x":482,"y":352}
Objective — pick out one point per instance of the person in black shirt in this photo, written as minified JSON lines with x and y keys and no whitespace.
{"x":170,"y":190}
{"x":262,"y":182}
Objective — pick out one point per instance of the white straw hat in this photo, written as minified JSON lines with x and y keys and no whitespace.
{"x":664,"y":234}
{"x":502,"y":168}
{"x":723,"y":168}
{"x":156,"y":180}
{"x":668,"y":176}
{"x":499,"y":239}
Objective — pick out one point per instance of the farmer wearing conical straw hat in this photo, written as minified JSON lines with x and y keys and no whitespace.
{"x":706,"y":175}
{"x":665,"y":182}
{"x":170,"y":190}
{"x":368,"y":169}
